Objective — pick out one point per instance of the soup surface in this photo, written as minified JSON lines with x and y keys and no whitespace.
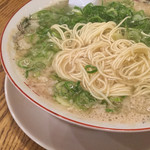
{"x":53,"y":52}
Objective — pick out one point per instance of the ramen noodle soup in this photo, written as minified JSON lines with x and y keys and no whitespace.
{"x":93,"y":62}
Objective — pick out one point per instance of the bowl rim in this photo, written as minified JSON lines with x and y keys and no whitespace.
{"x":111,"y":129}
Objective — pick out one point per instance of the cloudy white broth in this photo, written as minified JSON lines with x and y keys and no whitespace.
{"x":93,"y":62}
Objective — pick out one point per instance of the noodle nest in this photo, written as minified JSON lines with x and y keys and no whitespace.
{"x":123,"y":66}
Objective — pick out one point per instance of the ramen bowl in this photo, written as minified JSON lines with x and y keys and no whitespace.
{"x":11,"y":69}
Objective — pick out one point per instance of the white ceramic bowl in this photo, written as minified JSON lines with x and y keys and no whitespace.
{"x":7,"y":54}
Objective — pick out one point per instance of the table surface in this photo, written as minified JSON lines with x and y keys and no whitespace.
{"x":11,"y":136}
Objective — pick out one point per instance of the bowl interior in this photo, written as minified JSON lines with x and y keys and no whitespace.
{"x":9,"y":64}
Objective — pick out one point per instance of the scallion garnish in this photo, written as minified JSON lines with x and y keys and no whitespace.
{"x":90,"y":69}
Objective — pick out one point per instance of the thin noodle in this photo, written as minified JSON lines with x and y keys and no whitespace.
{"x":121,"y":64}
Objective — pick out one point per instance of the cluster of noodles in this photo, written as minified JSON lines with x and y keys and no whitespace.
{"x":123,"y":66}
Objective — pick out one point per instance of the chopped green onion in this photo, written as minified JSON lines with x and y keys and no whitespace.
{"x":55,"y":33}
{"x":109,"y":110}
{"x":73,"y":93}
{"x":90,"y":69}
{"x":26,"y":73}
{"x":116,"y":99}
{"x":104,"y":102}
{"x":24,"y":63}
{"x":39,"y":66}
{"x":77,"y":10}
